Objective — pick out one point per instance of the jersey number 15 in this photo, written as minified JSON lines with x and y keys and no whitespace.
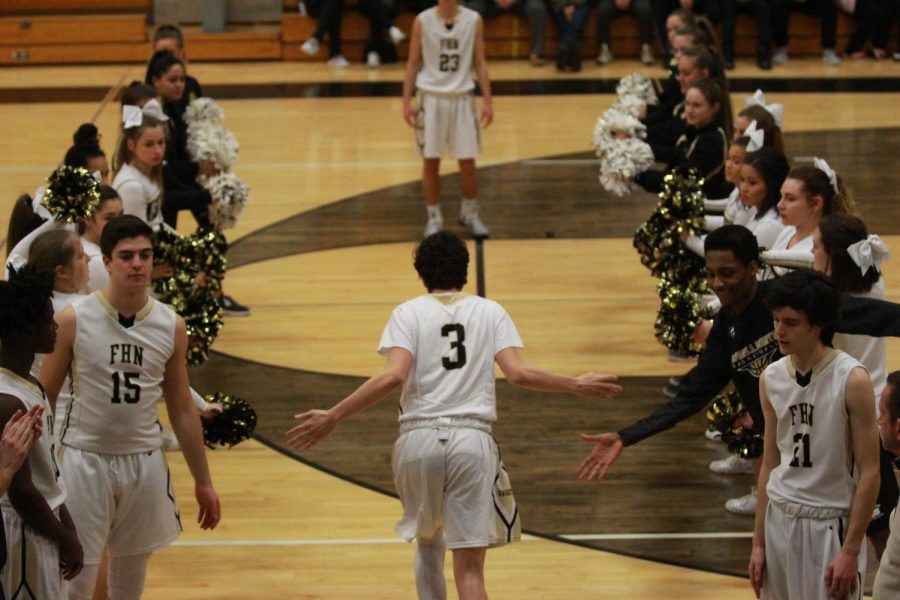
{"x":132,"y":392}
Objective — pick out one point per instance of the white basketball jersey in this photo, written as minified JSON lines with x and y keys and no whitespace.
{"x":447,"y":52}
{"x":817,"y":467}
{"x":42,"y":456}
{"x":453,"y":339}
{"x":117,"y":374}
{"x":140,"y":196}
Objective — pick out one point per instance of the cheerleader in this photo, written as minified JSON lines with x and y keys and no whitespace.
{"x":86,"y":152}
{"x":703,"y":144}
{"x":762,"y":175}
{"x":110,"y":206}
{"x":843,"y":249}
{"x":166,"y":74}
{"x":808,"y":194}
{"x":138,"y":162}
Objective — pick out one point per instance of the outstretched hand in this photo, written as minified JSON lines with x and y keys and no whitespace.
{"x":314,"y":426}
{"x":608,"y":447}
{"x":597,"y":385}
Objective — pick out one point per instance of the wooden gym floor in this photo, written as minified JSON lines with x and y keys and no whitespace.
{"x":323,"y":254}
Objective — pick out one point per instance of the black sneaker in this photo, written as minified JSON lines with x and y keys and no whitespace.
{"x":232,"y":307}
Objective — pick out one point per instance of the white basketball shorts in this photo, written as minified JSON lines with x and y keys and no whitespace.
{"x":447,"y":123}
{"x":452,"y":478}
{"x":32,"y":561}
{"x":121,"y":501}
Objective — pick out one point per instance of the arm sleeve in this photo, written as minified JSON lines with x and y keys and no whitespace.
{"x":199,"y":402}
{"x":505,"y":333}
{"x":98,"y":277}
{"x":18,"y":256}
{"x":716,"y":205}
{"x":791,"y":259}
{"x":133,"y":201}
{"x":867,"y":316}
{"x":713,"y":222}
{"x":400,"y":332}
{"x":651,"y":180}
{"x":697,"y":389}
{"x":695,"y":245}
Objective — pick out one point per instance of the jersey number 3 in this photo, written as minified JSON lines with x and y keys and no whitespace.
{"x":132,"y":391}
{"x":456,"y":344}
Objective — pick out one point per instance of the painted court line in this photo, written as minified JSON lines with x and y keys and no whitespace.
{"x":585,"y":537}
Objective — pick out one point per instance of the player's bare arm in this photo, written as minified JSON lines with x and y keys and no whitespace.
{"x":33,"y":508}
{"x":481,"y":72}
{"x":412,"y":69}
{"x":841,"y":573}
{"x":522,"y":374}
{"x":315,"y":425}
{"x":56,"y":365}
{"x":186,"y":425}
{"x":770,"y":460}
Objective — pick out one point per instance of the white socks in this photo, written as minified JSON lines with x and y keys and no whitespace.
{"x":467,"y":208}
{"x":430,"y":583}
{"x":434,"y":212}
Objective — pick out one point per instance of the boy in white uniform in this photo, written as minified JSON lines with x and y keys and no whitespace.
{"x":125,"y":351}
{"x":820,"y":471}
{"x":441,"y":348}
{"x":448,"y":40}
{"x":41,"y":546}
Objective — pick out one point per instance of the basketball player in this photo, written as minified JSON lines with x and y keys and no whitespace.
{"x":820,"y":468}
{"x":125,"y":351}
{"x":41,"y":543}
{"x":448,"y":40}
{"x":441,"y":347}
{"x":887,"y":580}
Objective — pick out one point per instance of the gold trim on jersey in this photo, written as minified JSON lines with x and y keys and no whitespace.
{"x":110,"y":309}
{"x":820,"y":366}
{"x":35,"y":389}
{"x":448,"y":298}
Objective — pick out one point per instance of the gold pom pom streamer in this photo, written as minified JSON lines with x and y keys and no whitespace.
{"x":680,"y":311}
{"x":233,"y":425}
{"x":71,"y":194}
{"x":203,"y":318}
{"x":723,"y":414}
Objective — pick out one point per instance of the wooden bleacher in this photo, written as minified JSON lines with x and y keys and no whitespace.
{"x":117,"y":31}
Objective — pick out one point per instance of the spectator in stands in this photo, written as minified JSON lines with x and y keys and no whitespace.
{"x":169,"y":37}
{"x":607,"y":11}
{"x":383,"y":35}
{"x":571,"y":16}
{"x":762,"y":9}
{"x":873,"y":23}
{"x":328,"y":13}
{"x":671,"y":15}
{"x":826,"y":10}
{"x":534,"y":10}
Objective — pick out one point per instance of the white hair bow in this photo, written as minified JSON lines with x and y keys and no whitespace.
{"x":759,"y":99}
{"x":757,"y":137}
{"x":869,"y":253}
{"x":823,"y":166}
{"x":133,"y":116}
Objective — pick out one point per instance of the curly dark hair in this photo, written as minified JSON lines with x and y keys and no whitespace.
{"x":442,"y":261}
{"x":23,"y":300}
{"x":811,"y":293}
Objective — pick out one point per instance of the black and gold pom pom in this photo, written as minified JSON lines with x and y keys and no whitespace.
{"x":233,"y":425}
{"x":72,"y":194}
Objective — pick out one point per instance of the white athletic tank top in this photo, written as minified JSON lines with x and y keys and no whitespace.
{"x":42,"y":456}
{"x":447,"y":53}
{"x":117,"y":374}
{"x":60,"y":301}
{"x":141,"y":197}
{"x":453,"y":339}
{"x":870,"y":351}
{"x":817,"y":466}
